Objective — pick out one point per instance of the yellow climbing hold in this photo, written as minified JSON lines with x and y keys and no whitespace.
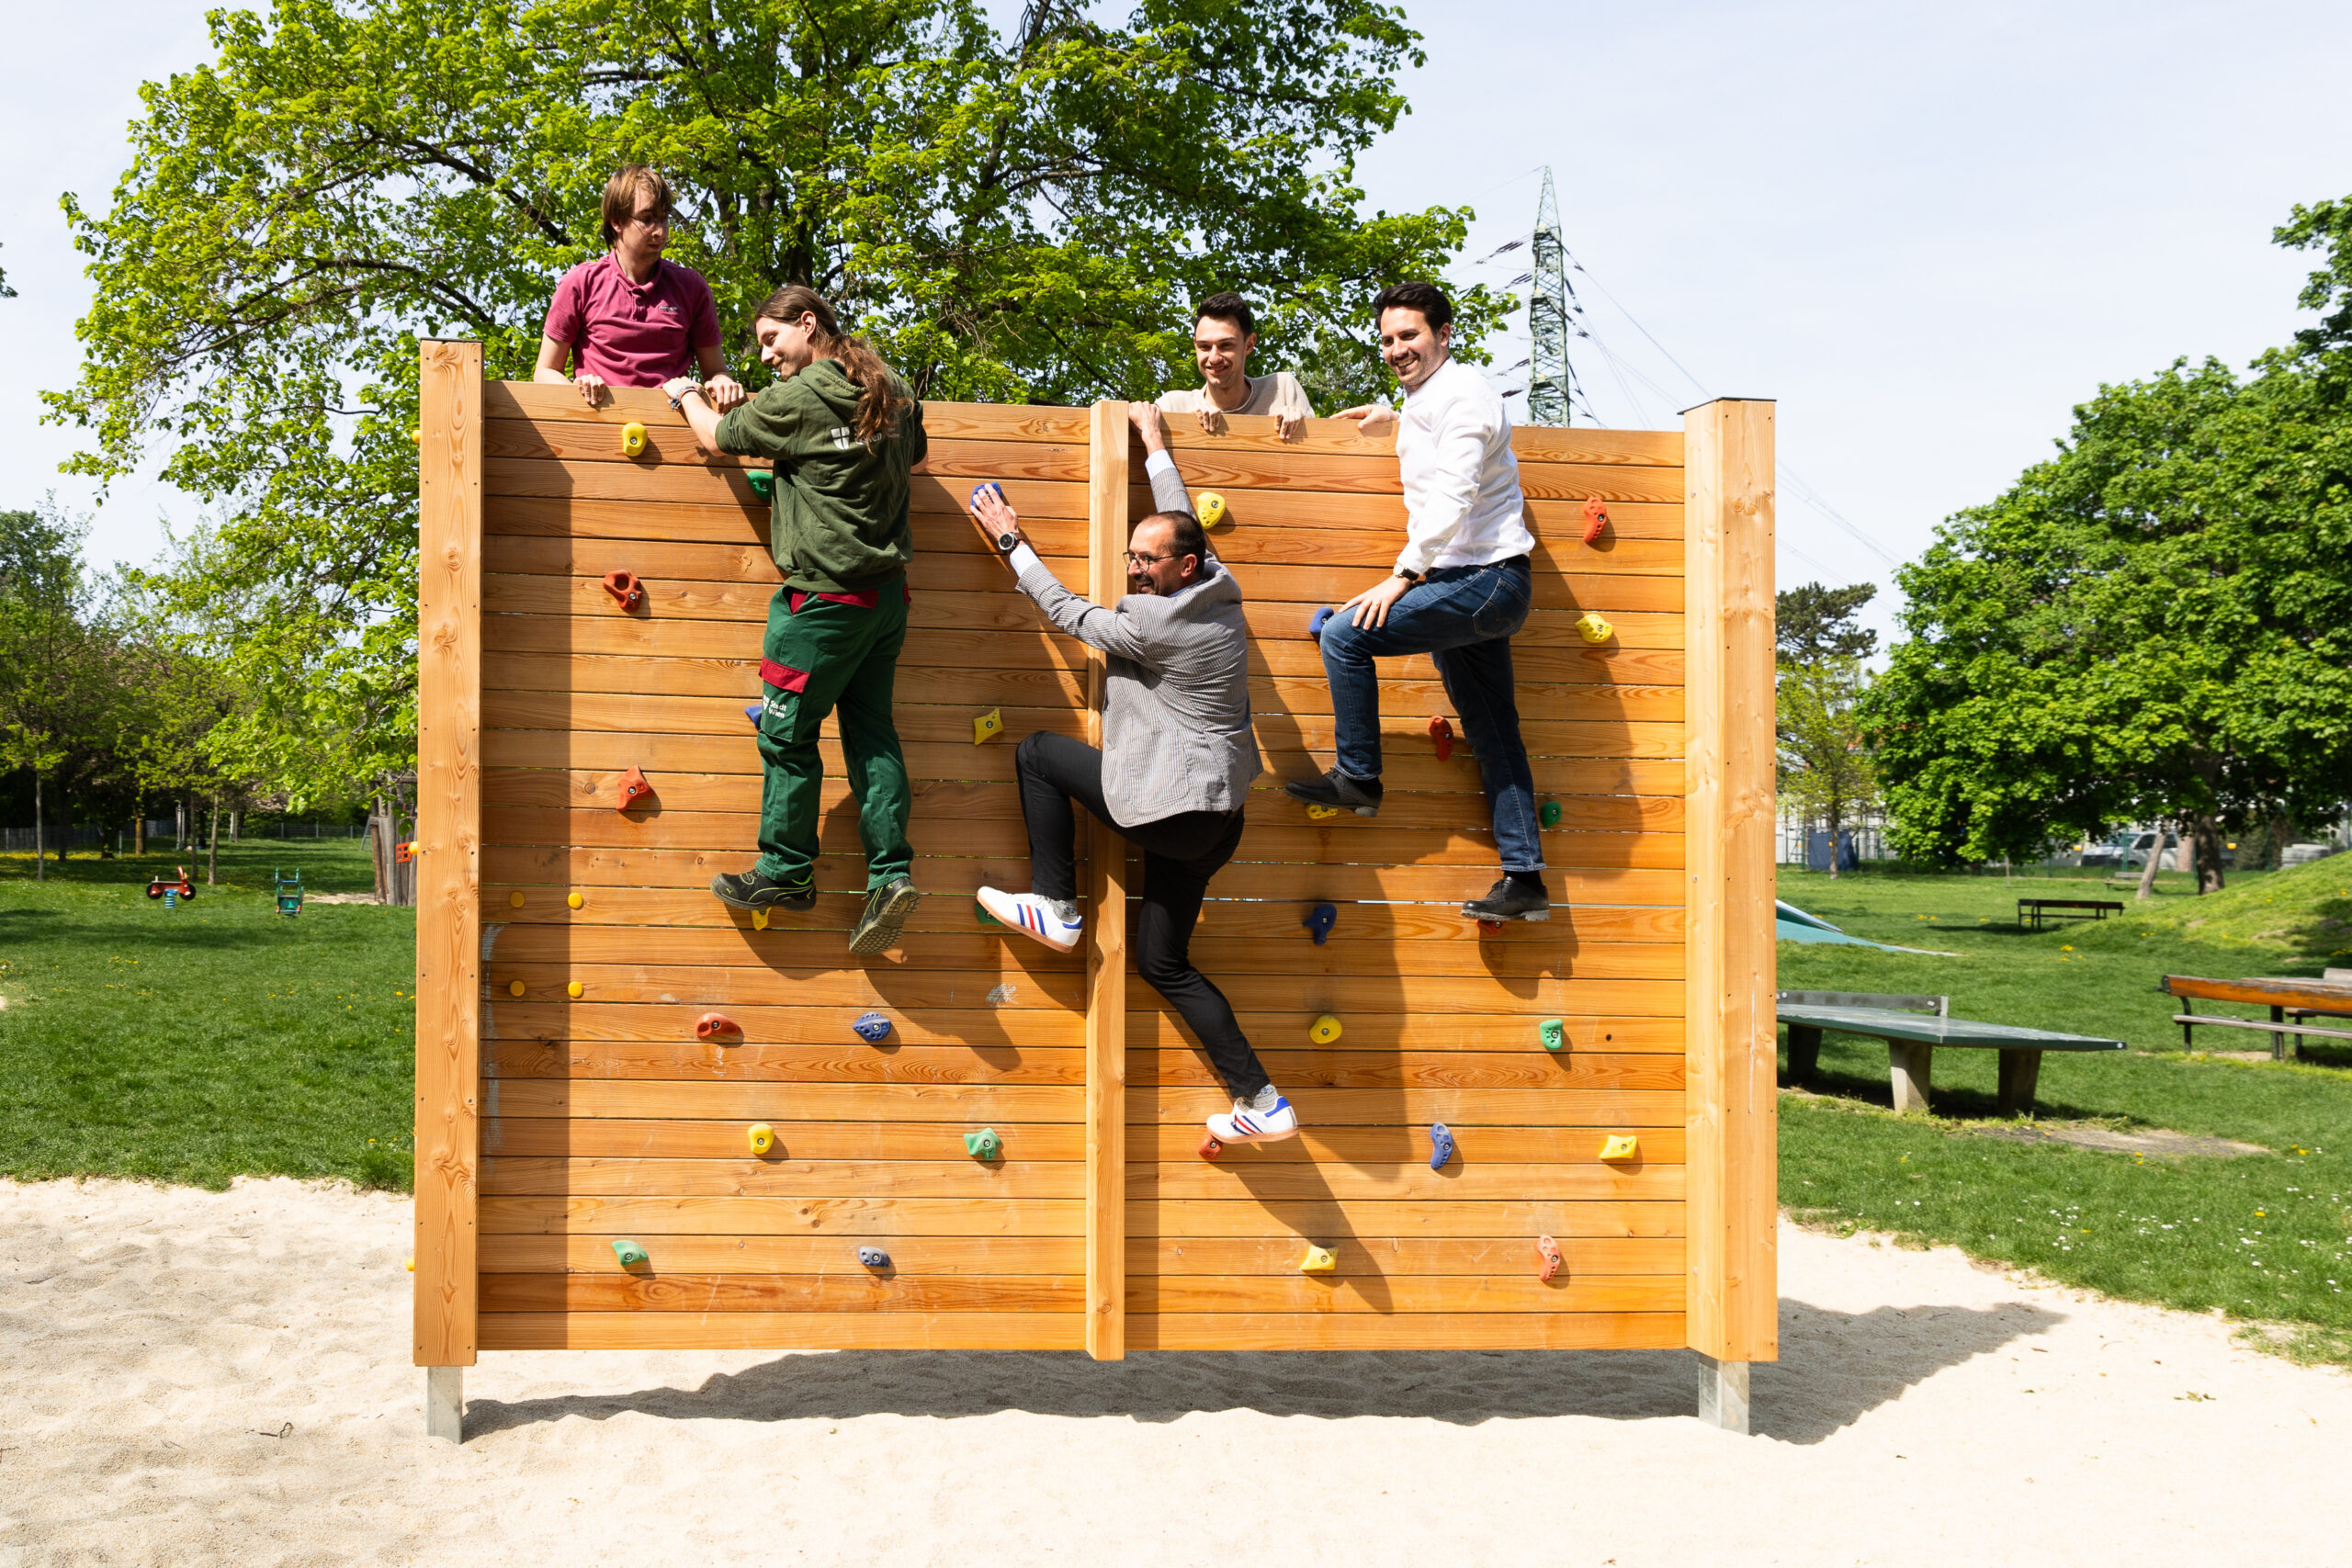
{"x":516,"y":899}
{"x":763,"y":1137}
{"x":759,"y":919}
{"x":410,"y":1266}
{"x":1326,"y":1029}
{"x":1212,"y":508}
{"x":1620,"y":1145}
{"x":632,"y":439}
{"x":1592,"y":628}
{"x":515,"y":987}
{"x":1320,"y":812}
{"x":1318,"y":1260}
{"x":572,"y":989}
{"x":987,"y":726}
{"x":574,"y":899}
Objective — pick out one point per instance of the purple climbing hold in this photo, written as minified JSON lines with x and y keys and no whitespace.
{"x":1314,"y":623}
{"x":874,"y":1258}
{"x":1320,"y":919}
{"x":1440,"y":1144}
{"x":874,"y":1028}
{"x":752,"y":712}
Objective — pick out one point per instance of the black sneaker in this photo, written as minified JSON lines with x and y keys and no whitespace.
{"x":887,"y":908}
{"x":752,"y":891}
{"x":1510,"y":899}
{"x":1335,"y":788}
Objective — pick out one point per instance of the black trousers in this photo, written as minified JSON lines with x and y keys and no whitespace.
{"x":1181,"y":854}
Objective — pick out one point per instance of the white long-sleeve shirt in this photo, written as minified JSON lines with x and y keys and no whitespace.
{"x":1463,"y":505}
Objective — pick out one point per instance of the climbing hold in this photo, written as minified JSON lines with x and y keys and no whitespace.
{"x":410,"y":1265}
{"x":1620,"y":1145}
{"x":984,"y":1143}
{"x":989,"y":487}
{"x":1441,"y":731}
{"x":1549,"y":813}
{"x":1490,"y":928}
{"x":762,"y":482}
{"x":982,"y":910}
{"x":1552,"y":1033}
{"x":1320,"y":919}
{"x":628,"y":1252}
{"x":571,"y":988}
{"x":574,"y":899}
{"x":632,"y":439}
{"x":759,"y":919}
{"x":874,"y":1258}
{"x":1596,"y":518}
{"x":752,"y":712}
{"x":1315,"y":622}
{"x":873,"y":1028}
{"x":987,"y":726}
{"x":1209,"y":508}
{"x":1549,"y":1251}
{"x":1592,"y":628}
{"x":763,"y":1138}
{"x":633,"y":789}
{"x":406,"y":851}
{"x":625,"y":588}
{"x":1320,"y":813}
{"x":1326,"y":1029}
{"x":416,"y":433}
{"x":516,"y":899}
{"x":715,"y":1023}
{"x":1440,"y":1144}
{"x":1318,"y":1260}
{"x":515,"y":987}
{"x":1210,"y":1147}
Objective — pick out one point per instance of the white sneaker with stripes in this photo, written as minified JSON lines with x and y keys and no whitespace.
{"x":1251,"y":1124}
{"x":1055,"y":924}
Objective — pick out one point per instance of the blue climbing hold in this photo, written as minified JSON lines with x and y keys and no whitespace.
{"x":1440,"y":1144}
{"x":752,"y":712}
{"x":873,"y":1028}
{"x":1314,"y":623}
{"x":1320,"y":919}
{"x":874,"y":1258}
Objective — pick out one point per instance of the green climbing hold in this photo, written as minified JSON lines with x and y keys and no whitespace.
{"x":762,"y":483}
{"x":1554,"y":1034}
{"x":1550,"y":815}
{"x":984,"y":1143}
{"x":982,"y":910}
{"x":628,"y":1252}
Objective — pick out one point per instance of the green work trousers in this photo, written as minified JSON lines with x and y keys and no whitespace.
{"x":823,"y":652}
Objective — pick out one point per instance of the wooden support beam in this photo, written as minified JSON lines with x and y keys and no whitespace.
{"x":1731,"y":1126}
{"x":1106,"y":924}
{"x":448,"y":832}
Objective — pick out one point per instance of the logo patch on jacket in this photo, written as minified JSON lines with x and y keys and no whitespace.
{"x":840,"y":434}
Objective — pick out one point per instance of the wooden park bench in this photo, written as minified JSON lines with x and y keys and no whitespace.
{"x":1913,"y":1027}
{"x":2289,"y":1000}
{"x":2040,"y":909}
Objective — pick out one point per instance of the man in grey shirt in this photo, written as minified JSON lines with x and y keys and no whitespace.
{"x":1177,"y":761}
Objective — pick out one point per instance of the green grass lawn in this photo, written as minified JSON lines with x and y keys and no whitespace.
{"x":215,"y":1039}
{"x":2266,"y":1236}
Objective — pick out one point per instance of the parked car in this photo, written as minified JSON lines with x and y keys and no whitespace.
{"x":2129,"y":852}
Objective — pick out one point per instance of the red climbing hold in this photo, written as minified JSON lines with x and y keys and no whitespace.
{"x":1490,"y":928}
{"x":1210,"y":1147}
{"x":1441,"y":731}
{"x":1549,"y":1251}
{"x":1596,"y":518}
{"x":633,"y":789}
{"x":712,"y":1023}
{"x":404,"y":852}
{"x":625,"y":587}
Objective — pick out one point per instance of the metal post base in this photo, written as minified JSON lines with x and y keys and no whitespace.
{"x":1723,"y":1393}
{"x":445,"y":1402}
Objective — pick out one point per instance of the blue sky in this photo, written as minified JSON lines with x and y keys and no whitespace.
{"x":1928,"y":231}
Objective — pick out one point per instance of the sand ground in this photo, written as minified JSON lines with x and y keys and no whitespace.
{"x":201,"y":1378}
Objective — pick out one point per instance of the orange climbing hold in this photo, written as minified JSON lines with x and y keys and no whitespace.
{"x":1210,"y":1147}
{"x":712,"y":1023}
{"x":633,"y":788}
{"x":1596,"y":518}
{"x":1548,"y":1250}
{"x":625,"y":588}
{"x":1441,"y":731}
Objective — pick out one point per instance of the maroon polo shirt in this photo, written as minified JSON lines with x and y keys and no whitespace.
{"x":632,"y":334}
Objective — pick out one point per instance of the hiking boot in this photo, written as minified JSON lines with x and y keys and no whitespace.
{"x":887,"y":908}
{"x":1512,"y":899}
{"x":1336,"y":788}
{"x":750,"y":890}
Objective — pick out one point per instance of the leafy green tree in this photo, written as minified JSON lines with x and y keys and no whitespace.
{"x":1020,"y":216}
{"x":1812,"y":622}
{"x":57,"y":669}
{"x":1825,"y":759}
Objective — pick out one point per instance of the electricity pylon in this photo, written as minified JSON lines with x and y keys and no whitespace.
{"x":1547,"y":316}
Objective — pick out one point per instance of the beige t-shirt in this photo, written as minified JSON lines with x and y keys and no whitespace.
{"x":1278,"y":394}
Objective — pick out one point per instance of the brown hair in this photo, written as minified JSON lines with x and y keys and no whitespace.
{"x":1426,"y":298}
{"x":620,"y":198}
{"x":881,"y":400}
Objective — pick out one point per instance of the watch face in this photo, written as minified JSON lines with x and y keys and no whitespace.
{"x":1006,"y":541}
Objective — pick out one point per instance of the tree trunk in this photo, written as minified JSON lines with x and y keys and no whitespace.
{"x":213,"y":853}
{"x":2205,"y":836}
{"x":2148,"y":871}
{"x":139,"y":829}
{"x":1833,"y":819}
{"x":41,"y":853}
{"x":179,"y":824}
{"x":236,"y":820}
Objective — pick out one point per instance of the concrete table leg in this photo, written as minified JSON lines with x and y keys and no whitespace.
{"x":1804,"y":1052}
{"x":1907,"y":1065}
{"x":2020,"y":1070}
{"x":444,"y":1403}
{"x":1723,"y":1393}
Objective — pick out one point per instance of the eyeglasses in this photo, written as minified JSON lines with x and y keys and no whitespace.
{"x":1136,"y":561}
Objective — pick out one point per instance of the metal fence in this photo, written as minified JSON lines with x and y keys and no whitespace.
{"x":19,"y":840}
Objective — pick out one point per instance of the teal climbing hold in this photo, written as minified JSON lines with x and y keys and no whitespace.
{"x":1554,"y":1033}
{"x":629,"y":1253}
{"x":984,"y":1143}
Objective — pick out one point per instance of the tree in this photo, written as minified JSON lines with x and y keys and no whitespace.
{"x":1812,"y":622}
{"x":1020,"y":216}
{"x":1825,"y":762}
{"x":56,"y":668}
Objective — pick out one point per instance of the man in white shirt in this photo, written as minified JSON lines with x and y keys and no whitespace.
{"x":1461,"y":587}
{"x":1224,"y":334}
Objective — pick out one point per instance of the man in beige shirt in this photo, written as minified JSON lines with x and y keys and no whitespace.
{"x":1223,"y":332}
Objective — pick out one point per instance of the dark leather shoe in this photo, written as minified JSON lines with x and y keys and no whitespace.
{"x":1508,"y":900}
{"x":752,"y":891}
{"x":1335,"y":788}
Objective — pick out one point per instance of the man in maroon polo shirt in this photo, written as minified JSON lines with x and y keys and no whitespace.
{"x":628,"y":318}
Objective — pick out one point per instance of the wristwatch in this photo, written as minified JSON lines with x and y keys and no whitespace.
{"x":678,"y":403}
{"x":1409,"y":576}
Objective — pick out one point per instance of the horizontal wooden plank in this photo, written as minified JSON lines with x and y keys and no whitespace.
{"x":1007,"y":1180}
{"x":1275,"y":1183}
{"x":646,"y":405}
{"x":658,"y":1290}
{"x":1329,"y":1219}
{"x":1360,"y":1293}
{"x":1415,"y":1331}
{"x":788,"y":1331}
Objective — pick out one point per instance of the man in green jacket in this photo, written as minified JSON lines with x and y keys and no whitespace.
{"x":844,"y":433}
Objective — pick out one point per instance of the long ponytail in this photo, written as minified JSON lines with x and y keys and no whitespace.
{"x":879,"y":401}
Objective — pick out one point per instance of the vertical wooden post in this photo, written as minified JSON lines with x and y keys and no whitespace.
{"x":448,"y":833}
{"x":1107,"y":949}
{"x":1732,"y":1110}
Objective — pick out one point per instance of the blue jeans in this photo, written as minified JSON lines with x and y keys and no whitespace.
{"x":1463,"y":618}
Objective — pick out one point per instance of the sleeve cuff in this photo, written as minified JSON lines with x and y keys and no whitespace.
{"x":1158,"y":463}
{"x":1022,"y":557}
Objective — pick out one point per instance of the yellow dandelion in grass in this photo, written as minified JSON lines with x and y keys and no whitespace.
{"x":2062,"y":948}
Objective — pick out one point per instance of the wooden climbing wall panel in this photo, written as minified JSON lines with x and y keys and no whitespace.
{"x":604,"y":1118}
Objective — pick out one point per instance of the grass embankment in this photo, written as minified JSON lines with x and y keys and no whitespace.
{"x":2266,"y":1236}
{"x":211,"y":1041}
